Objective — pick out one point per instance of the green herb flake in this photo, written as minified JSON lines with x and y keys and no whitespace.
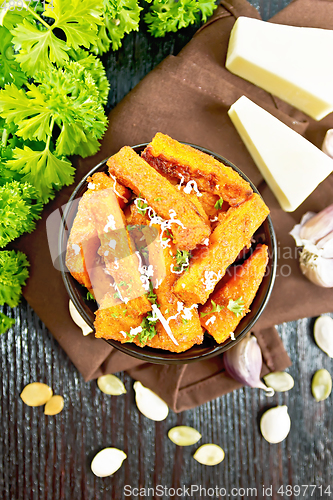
{"x":90,"y":296}
{"x":116,"y":295}
{"x":237,"y":307}
{"x":142,"y":207}
{"x":182,"y":259}
{"x":218,"y":204}
{"x":157,"y":199}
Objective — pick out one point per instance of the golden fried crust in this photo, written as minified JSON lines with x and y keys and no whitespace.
{"x":83,"y":230}
{"x":186,"y":332}
{"x":245,"y":284}
{"x":116,"y":246}
{"x":102,"y":181}
{"x":162,"y":196}
{"x":178,"y":160}
{"x":208,"y":265}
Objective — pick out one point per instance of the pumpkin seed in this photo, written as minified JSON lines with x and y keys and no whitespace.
{"x":110,"y":384}
{"x":275,"y":424}
{"x":279,"y":381}
{"x":149,"y":403}
{"x":323,"y":334}
{"x":107,"y":462}
{"x":321,"y":385}
{"x":54,"y":405}
{"x":78,"y":320}
{"x":209,"y":454}
{"x":36,"y":394}
{"x":183,"y":435}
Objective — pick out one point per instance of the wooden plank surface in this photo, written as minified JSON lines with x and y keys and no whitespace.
{"x":48,"y":458}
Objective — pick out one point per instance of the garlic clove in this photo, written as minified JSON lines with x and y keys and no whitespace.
{"x":296,"y":230}
{"x":107,"y":462}
{"x":243,"y":362}
{"x":183,"y":435}
{"x":315,"y":267}
{"x":326,"y":246}
{"x":78,"y":320}
{"x":318,"y":226}
{"x":110,"y":384}
{"x":279,"y":381}
{"x":209,"y":454}
{"x":321,"y":385}
{"x":327,"y":146}
{"x":150,"y":405}
{"x":323,"y":334}
{"x":275,"y":424}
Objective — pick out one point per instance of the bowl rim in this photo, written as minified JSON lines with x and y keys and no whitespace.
{"x":166,"y":357}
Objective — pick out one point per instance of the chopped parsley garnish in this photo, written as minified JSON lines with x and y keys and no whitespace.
{"x":116,"y":295}
{"x":237,"y":306}
{"x":90,"y":296}
{"x":169,"y":235}
{"x":148,"y":330}
{"x":216,"y":308}
{"x":152,"y":297}
{"x":157,"y":199}
{"x":182,"y":259}
{"x":184,"y":321}
{"x":114,"y":315}
{"x":142,"y":207}
{"x":218,"y":204}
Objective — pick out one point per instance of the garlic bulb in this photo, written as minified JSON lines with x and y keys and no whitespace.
{"x":327,"y":146}
{"x":315,"y":235}
{"x":244,"y":362}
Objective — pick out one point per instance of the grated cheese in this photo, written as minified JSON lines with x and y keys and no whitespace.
{"x":111,"y":224}
{"x":114,"y":189}
{"x":164,"y":323}
{"x":76,"y":248}
{"x":211,"y":320}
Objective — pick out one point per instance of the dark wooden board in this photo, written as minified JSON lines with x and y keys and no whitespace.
{"x":48,"y":458}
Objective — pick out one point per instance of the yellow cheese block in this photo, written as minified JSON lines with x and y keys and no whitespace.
{"x":295,"y":64}
{"x":291,"y":165}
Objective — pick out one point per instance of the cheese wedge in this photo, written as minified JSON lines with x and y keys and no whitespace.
{"x":291,"y":165}
{"x":292,"y":63}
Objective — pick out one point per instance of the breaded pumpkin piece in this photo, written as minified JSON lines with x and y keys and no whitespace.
{"x":244,"y":285}
{"x":167,"y":201}
{"x":115,"y":319}
{"x":185,"y":326}
{"x":83,"y":229}
{"x":179,"y":160}
{"x":116,"y":247}
{"x":209,"y":265}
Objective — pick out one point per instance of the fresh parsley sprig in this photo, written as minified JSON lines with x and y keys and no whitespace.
{"x":215,"y":308}
{"x":13,"y":275}
{"x":237,"y":306}
{"x":5,"y":322}
{"x":171,"y":15}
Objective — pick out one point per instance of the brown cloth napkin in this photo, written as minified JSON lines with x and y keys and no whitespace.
{"x":188,"y":97}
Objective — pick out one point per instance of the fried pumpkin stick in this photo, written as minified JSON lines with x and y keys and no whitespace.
{"x":189,"y":228}
{"x":170,"y":157}
{"x":244,"y":285}
{"x":120,"y":261}
{"x":209,"y":265}
{"x":183,"y":322}
{"x":83,"y":230}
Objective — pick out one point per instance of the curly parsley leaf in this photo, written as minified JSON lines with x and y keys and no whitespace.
{"x":171,"y":15}
{"x":39,"y":46}
{"x":120,"y":17}
{"x":10,"y":70}
{"x":43,"y":169}
{"x":5,"y":323}
{"x":13,"y":275}
{"x":18,"y":210}
{"x":96,"y":69}
{"x":237,"y":307}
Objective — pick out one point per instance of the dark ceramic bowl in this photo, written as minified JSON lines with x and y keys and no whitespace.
{"x":209,"y":348}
